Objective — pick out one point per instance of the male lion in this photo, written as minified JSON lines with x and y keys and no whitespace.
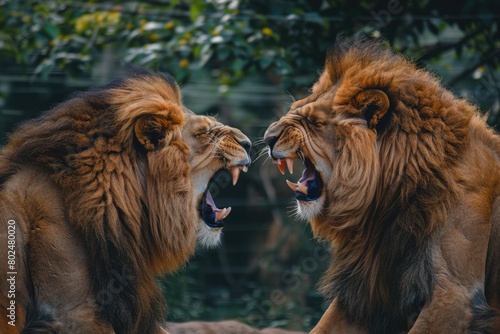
{"x":403,"y":179}
{"x":99,"y":195}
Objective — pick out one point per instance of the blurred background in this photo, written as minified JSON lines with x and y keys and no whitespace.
{"x":244,"y":62}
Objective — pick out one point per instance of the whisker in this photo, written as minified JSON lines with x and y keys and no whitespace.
{"x":278,"y":113}
{"x":262,"y":152}
{"x":291,"y":96}
{"x":259,"y":153}
{"x":264,"y":149}
{"x":260,"y":156}
{"x":293,"y":212}
{"x":268,"y":158}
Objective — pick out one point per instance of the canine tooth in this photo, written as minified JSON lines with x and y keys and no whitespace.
{"x":281,"y":166}
{"x":302,"y":188}
{"x":244,"y":169}
{"x":289,"y":164}
{"x":228,"y":210}
{"x":292,"y":185}
{"x":219,"y":215}
{"x":235,"y":173}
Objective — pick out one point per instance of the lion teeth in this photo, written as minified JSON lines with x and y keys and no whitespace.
{"x":235,"y":174}
{"x":292,"y":185}
{"x":281,"y":166}
{"x":289,"y":164}
{"x":219,"y":215}
{"x":302,"y":188}
{"x":244,"y":169}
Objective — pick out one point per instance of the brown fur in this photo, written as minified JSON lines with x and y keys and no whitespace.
{"x":100,"y":191}
{"x":222,"y":327}
{"x":410,"y":197}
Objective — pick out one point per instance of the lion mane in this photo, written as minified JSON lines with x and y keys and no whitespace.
{"x":403,"y":178}
{"x":108,"y":168}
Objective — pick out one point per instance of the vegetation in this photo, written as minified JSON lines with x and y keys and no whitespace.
{"x":236,"y":37}
{"x":285,"y":40}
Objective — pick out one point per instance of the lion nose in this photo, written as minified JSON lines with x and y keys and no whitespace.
{"x":246,"y":146}
{"x":270,"y":141}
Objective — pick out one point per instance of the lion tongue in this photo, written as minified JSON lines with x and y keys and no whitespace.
{"x":307,"y":175}
{"x":219,"y":213}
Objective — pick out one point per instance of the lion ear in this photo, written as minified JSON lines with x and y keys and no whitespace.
{"x":373,"y":104}
{"x":150,"y":130}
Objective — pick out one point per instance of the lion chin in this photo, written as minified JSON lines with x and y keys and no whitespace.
{"x":209,"y":237}
{"x":403,"y":179}
{"x":309,"y":210}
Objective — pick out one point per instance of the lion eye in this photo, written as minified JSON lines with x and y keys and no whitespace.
{"x":305,"y":118}
{"x":204,"y":131}
{"x":312,"y":120}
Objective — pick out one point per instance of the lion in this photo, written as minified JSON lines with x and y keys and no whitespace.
{"x":99,"y":198}
{"x":403,"y":179}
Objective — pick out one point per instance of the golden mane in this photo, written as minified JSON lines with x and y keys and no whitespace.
{"x":117,"y":156}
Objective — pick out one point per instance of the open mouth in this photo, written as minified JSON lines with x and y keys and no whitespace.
{"x":210,"y":213}
{"x":308,"y":187}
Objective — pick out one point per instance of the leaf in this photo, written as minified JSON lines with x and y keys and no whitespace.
{"x":217,"y":39}
{"x":238,"y":65}
{"x":153,"y":26}
{"x":265,"y":62}
{"x":196,"y":9}
{"x":223,"y":53}
{"x":205,"y":57}
{"x":148,"y":59}
{"x":51,"y":30}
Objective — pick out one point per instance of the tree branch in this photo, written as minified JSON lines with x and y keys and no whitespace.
{"x":439,"y":48}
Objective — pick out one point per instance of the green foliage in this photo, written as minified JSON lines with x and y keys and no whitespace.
{"x":235,"y":38}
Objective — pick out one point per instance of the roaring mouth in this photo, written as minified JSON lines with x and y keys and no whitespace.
{"x":210,"y":213}
{"x":308,"y":187}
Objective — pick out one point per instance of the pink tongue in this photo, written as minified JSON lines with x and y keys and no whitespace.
{"x":210,"y":201}
{"x":307,"y":175}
